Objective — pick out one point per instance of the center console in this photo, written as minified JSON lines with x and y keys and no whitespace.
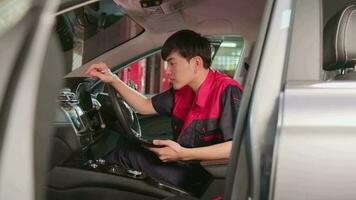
{"x":102,"y":167}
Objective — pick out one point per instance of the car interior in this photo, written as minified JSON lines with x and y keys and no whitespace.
{"x":91,"y":118}
{"x":295,"y":127}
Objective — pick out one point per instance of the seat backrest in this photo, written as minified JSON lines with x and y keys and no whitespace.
{"x":340,"y":43}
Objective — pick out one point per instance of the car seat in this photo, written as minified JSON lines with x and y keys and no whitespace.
{"x":340,"y":44}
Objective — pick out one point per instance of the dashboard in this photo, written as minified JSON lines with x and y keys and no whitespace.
{"x":86,"y":121}
{"x":83,"y":113}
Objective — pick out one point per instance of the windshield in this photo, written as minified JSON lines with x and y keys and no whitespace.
{"x":89,"y":31}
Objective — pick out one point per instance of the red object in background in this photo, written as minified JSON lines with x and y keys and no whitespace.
{"x":133,"y":73}
{"x":218,"y":198}
{"x":124,"y":75}
{"x":165,"y":78}
{"x":136,"y":75}
{"x":149,"y":74}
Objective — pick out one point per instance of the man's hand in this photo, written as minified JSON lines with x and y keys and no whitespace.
{"x":169,"y":151}
{"x":101,"y":71}
{"x":172,"y":151}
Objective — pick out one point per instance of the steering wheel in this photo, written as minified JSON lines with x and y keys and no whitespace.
{"x":128,"y":119}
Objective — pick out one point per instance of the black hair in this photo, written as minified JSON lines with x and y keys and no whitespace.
{"x":188,"y":44}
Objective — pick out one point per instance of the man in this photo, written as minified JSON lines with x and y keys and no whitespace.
{"x":203,"y":104}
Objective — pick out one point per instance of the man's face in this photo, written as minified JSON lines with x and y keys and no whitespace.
{"x":180,"y":71}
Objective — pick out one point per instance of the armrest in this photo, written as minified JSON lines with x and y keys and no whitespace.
{"x":217,"y":168}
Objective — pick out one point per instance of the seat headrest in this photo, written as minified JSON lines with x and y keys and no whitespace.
{"x":340,"y":40}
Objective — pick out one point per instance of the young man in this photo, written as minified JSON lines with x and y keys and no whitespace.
{"x":203,"y":104}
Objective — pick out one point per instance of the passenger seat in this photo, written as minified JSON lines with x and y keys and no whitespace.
{"x":340,"y":44}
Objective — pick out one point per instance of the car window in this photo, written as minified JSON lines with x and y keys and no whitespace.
{"x":148,"y":75}
{"x":228,"y":54}
{"x":89,"y":31}
{"x":11,"y":11}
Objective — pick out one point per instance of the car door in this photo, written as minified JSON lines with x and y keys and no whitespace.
{"x":256,"y":124}
{"x":28,"y":51}
{"x":297,"y":123}
{"x":314,"y":147}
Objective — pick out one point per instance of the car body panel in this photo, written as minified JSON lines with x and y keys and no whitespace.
{"x":315,"y":145}
{"x":20,"y":179}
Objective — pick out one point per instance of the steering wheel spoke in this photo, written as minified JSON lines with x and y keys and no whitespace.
{"x":126,"y":116}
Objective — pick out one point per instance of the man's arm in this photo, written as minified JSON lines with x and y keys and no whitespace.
{"x":139,"y":102}
{"x":212,"y":152}
{"x":171,"y":151}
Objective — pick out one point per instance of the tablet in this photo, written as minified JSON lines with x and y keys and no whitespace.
{"x":144,"y":141}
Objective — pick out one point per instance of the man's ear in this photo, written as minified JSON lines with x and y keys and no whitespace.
{"x":198,"y":62}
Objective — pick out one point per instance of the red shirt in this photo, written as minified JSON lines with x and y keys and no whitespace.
{"x":206,"y":118}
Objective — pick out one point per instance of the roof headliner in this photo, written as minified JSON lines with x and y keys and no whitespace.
{"x":208,"y":17}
